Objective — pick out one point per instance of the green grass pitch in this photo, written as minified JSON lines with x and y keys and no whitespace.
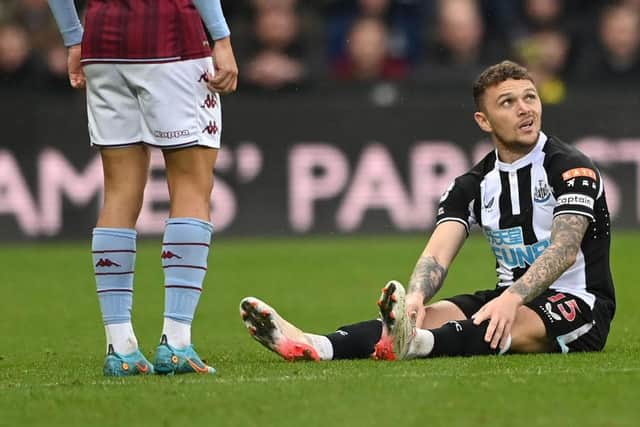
{"x":51,"y":345}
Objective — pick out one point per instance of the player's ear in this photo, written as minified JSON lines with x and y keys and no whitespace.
{"x":482,"y":121}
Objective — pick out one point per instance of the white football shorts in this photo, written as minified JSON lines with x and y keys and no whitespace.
{"x":165,"y":105}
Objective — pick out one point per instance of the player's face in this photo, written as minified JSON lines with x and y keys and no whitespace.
{"x":512,"y":114}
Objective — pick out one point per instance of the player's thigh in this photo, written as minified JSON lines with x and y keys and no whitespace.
{"x":125,"y":170}
{"x":112,"y":107}
{"x":458,"y":307}
{"x":528,"y":333}
{"x":190,"y":169}
{"x":570,"y":323}
{"x":177,"y":107}
{"x":441,"y":312}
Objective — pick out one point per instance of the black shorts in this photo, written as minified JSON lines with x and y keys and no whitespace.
{"x":571,"y":325}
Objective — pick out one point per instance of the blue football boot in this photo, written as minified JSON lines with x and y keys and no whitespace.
{"x":124,"y":365}
{"x":170,"y":360}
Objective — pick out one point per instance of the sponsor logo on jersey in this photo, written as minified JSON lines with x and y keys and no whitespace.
{"x":541,"y":193}
{"x":510,"y":250}
{"x":572,"y":173}
{"x":576,"y":199}
{"x":170,"y":134}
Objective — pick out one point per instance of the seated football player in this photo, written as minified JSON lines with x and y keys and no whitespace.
{"x":541,"y":205}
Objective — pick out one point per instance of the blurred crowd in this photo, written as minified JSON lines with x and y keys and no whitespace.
{"x":296,"y":44}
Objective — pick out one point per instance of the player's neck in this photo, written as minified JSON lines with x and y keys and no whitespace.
{"x":512,"y":153}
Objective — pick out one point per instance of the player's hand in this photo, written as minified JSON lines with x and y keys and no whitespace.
{"x":74,"y":68}
{"x":414,"y":304}
{"x":501,"y":313}
{"x":225,"y":79}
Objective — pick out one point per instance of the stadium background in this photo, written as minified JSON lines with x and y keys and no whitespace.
{"x":351,"y":115}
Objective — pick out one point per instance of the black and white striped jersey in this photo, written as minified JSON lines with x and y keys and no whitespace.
{"x":515,"y":203}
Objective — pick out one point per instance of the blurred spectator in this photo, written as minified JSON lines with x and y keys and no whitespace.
{"x":260,"y":5}
{"x":616,"y":57}
{"x":367,"y":56}
{"x":543,"y":14}
{"x":403,"y":19}
{"x":277,"y":58}
{"x":459,"y":49}
{"x":460,"y":32}
{"x":36,"y":18}
{"x":545,"y":54}
{"x":18,"y":64}
{"x":55,"y":68}
{"x":281,"y":41}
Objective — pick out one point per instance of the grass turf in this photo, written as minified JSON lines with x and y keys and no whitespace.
{"x":51,"y":345}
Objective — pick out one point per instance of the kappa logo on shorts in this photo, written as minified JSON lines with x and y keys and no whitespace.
{"x":170,"y":134}
{"x":211,"y":128}
{"x":210,"y":102}
{"x":203,"y":78}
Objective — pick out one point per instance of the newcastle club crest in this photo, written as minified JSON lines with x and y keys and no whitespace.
{"x":541,"y":192}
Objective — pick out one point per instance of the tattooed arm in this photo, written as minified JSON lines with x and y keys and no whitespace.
{"x":567,"y":231}
{"x":431,"y":269}
{"x":427,"y":277}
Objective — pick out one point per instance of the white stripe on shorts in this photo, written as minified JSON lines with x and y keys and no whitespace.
{"x":565,"y":339}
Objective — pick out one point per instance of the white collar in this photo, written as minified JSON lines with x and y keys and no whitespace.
{"x":531,"y":156}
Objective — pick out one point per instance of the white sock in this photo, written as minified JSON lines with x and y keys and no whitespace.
{"x":178,"y":334}
{"x":322,"y":345}
{"x":422,"y":344}
{"x":121,"y":337}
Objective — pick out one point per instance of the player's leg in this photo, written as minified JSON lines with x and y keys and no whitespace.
{"x":185,"y":249}
{"x":182,"y":117}
{"x":439,"y":313}
{"x":560,"y":322}
{"x":266,"y":326}
{"x":551,"y":322}
{"x":114,"y":122}
{"x":459,"y":336}
{"x":114,"y":253}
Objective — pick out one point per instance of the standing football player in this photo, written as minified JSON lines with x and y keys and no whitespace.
{"x":151,"y":81}
{"x":541,"y":205}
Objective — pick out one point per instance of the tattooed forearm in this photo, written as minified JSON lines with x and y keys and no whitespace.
{"x":567,"y":232}
{"x":427,"y":277}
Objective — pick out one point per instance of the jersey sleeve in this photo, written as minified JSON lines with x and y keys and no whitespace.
{"x":211,"y":13}
{"x":456,"y":204}
{"x":576,"y":184}
{"x":66,"y":16}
